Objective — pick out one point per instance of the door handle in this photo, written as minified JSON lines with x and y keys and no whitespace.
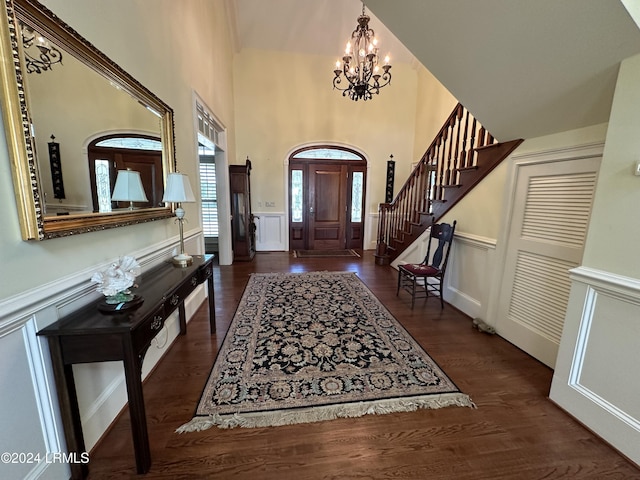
{"x":311,"y":210}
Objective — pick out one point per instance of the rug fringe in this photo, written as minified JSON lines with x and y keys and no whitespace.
{"x":328,"y":412}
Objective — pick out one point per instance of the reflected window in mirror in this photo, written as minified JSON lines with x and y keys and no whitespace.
{"x":110,"y":153}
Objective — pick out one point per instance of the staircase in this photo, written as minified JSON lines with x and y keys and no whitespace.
{"x":459,"y":157}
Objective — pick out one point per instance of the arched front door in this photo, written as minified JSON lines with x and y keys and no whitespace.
{"x":326,"y":198}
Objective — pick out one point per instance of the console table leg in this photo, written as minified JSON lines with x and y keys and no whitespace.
{"x":182,"y":318}
{"x":212,"y":305}
{"x":69,"y":411}
{"x":133,"y":375}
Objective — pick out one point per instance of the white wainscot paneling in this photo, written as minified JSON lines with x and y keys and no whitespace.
{"x":597,"y":368}
{"x":371,"y":231}
{"x":271,"y":232}
{"x":467,"y":286}
{"x":467,"y":281}
{"x":26,"y":412}
{"x":28,"y":403}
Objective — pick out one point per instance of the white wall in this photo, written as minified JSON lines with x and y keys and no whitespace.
{"x":596,"y":376}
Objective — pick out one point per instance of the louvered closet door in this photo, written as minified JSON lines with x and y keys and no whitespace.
{"x":548,"y":228}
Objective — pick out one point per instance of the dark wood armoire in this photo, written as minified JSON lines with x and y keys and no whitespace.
{"x":243,"y":228}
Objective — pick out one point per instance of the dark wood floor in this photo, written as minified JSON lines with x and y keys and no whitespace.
{"x":515,"y":432}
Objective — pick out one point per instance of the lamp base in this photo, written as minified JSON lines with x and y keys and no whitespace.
{"x":182,"y":260}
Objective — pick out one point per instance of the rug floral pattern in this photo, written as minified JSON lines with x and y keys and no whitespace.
{"x":312,"y":346}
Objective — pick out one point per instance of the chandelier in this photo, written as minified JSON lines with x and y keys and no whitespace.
{"x":360,"y":64}
{"x":39,"y":54}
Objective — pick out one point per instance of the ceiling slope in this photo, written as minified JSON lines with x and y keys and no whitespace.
{"x":523,"y":68}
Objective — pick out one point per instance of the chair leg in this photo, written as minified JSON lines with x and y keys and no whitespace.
{"x":441,"y":299}
{"x":413,"y":292}
{"x":399,"y":281}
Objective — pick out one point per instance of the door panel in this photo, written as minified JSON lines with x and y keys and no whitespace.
{"x":327,"y":207}
{"x":326,"y":203}
{"x":546,"y":239}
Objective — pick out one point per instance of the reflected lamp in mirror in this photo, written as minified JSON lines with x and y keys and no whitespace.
{"x":128,"y":188}
{"x":178,"y":191}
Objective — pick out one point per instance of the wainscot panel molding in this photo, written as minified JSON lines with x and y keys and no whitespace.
{"x":271,"y":232}
{"x":371,"y":230}
{"x":30,"y":415}
{"x":593,"y":382}
{"x":470,"y":264}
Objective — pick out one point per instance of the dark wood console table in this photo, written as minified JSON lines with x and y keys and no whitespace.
{"x":87,"y":335}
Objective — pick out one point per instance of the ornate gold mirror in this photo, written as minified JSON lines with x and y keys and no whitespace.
{"x":61,"y":98}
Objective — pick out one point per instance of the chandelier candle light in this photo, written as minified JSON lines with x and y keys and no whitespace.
{"x":179,"y":191}
{"x":360,"y":64}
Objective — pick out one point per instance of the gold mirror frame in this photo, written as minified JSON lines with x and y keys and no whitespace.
{"x":33,"y":224}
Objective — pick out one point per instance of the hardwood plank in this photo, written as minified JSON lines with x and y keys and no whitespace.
{"x":516,"y":431}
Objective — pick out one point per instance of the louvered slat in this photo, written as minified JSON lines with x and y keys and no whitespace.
{"x":558,"y":207}
{"x":540,"y":294}
{"x":209,"y":199}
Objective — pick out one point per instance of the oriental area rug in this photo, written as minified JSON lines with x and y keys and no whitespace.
{"x":306,"y":347}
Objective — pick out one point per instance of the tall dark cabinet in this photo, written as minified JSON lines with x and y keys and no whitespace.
{"x":243,"y":229}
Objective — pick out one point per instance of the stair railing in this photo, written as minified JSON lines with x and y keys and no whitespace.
{"x":452,"y":151}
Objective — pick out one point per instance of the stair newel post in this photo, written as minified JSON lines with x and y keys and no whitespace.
{"x":381,"y":245}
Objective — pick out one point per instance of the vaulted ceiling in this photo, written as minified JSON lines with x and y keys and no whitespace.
{"x":524,"y":68}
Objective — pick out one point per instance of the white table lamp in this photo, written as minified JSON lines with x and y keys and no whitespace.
{"x":128,"y":188}
{"x":178,"y":191}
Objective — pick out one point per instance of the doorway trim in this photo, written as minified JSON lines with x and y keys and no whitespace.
{"x":225,"y":252}
{"x":324,"y":144}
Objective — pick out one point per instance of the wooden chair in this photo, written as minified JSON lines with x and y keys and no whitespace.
{"x":426,"y":279}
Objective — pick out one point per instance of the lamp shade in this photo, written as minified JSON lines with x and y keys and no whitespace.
{"x":128,"y":187}
{"x":178,"y":189}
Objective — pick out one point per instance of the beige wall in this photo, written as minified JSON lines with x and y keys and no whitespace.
{"x":64,"y":102}
{"x":286,"y":100}
{"x":172,"y":51}
{"x":434,"y":104}
{"x":614,"y":233}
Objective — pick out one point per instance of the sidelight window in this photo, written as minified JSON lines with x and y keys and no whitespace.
{"x":296,"y":195}
{"x":356,"y":196}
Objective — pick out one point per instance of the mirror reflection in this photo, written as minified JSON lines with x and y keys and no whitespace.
{"x":77,"y":106}
{"x":74,"y":120}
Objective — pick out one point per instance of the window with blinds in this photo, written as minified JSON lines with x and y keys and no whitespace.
{"x":209,"y":199}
